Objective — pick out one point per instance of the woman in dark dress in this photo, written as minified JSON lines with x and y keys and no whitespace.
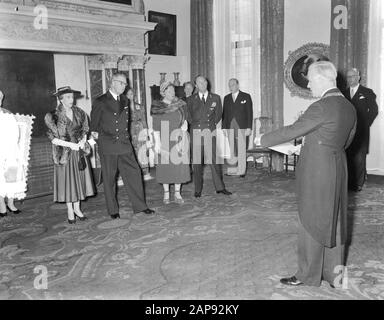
{"x":171,"y":141}
{"x":67,"y":129}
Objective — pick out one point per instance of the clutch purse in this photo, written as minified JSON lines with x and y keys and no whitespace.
{"x":82,"y":162}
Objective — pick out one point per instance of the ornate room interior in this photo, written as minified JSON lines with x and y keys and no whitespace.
{"x":212,"y":247}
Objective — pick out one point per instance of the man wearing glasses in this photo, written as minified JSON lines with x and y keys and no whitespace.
{"x":110,"y":127}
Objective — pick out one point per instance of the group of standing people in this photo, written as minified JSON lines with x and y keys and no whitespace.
{"x":69,"y":131}
{"x":192,"y":119}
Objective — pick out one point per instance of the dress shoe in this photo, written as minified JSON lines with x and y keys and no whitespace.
{"x":242,"y":176}
{"x":115,"y":216}
{"x":82,"y":218}
{"x":225,"y":192}
{"x":197,"y":194}
{"x":71,"y":221}
{"x":17,"y":211}
{"x":292,"y":281}
{"x":149,"y":211}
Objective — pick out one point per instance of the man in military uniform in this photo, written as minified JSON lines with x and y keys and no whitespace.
{"x":204,"y":112}
{"x":109,"y":125}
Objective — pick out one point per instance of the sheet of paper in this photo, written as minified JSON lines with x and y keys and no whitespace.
{"x":287,"y":148}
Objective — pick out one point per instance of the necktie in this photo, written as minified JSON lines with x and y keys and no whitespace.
{"x":118,"y":98}
{"x":203,"y":99}
{"x":234,"y":98}
{"x":352,"y":92}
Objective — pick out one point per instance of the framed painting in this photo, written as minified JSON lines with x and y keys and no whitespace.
{"x":162,"y":40}
{"x":296,"y":67}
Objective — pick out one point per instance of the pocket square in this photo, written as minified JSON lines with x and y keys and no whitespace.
{"x":213,"y":105}
{"x":244,"y":101}
{"x":361,"y":97}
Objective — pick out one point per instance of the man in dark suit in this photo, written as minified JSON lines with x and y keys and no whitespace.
{"x":328,"y":127}
{"x":237,"y":116}
{"x":204,"y":112}
{"x":109,"y":125}
{"x":364,"y":100}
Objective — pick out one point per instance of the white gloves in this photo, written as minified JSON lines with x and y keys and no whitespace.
{"x":73,"y":146}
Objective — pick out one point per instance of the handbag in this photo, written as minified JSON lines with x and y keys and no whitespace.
{"x":82,"y":162}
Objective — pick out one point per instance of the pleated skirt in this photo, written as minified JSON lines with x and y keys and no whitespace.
{"x":72,"y":184}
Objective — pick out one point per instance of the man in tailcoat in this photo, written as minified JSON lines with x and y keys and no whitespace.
{"x":204,"y":112}
{"x":238,"y":121}
{"x":328,"y":127}
{"x":110,"y":127}
{"x":364,"y":101}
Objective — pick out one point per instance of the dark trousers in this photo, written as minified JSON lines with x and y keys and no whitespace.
{"x":317,"y":262}
{"x":129,"y":170}
{"x":357,"y":167}
{"x":203,"y":154}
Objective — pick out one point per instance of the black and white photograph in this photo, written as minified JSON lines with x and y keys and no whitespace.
{"x":192,"y":155}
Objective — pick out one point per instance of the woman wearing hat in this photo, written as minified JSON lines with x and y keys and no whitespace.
{"x":9,"y":136}
{"x":67,"y":130}
{"x":171,"y":141}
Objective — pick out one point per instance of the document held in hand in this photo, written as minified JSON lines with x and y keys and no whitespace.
{"x":287,"y":148}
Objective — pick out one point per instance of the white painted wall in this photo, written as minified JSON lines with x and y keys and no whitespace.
{"x":305,"y":21}
{"x":169,"y":64}
{"x":70,"y":71}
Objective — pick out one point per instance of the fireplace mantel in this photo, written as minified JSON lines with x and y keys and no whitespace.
{"x":81,"y":26}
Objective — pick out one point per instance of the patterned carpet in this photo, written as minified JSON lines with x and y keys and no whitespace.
{"x":215,"y":247}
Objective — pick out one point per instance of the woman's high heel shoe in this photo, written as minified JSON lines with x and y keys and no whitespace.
{"x":179,"y":200}
{"x":17,"y":211}
{"x":71,"y":221}
{"x":83,"y":218}
{"x":2,"y":215}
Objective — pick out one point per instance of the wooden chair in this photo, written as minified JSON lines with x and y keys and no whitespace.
{"x":259,"y":125}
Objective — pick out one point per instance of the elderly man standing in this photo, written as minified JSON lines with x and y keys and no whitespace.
{"x":238,"y":117}
{"x":109,"y":125}
{"x":364,"y":100}
{"x":204,"y":112}
{"x":328,"y":126}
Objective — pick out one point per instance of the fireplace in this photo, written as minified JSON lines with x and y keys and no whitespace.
{"x":101,"y":37}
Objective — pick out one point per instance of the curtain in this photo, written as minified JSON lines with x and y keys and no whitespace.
{"x":202,"y":50}
{"x":272,"y":68}
{"x":349,"y":47}
{"x":375,"y":81}
{"x":237,"y":46}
